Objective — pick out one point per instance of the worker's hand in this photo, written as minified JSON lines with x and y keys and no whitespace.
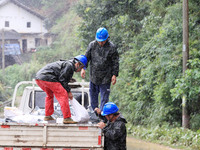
{"x":70,"y":95}
{"x":114,"y":79}
{"x":83,"y":73}
{"x":101,"y":125}
{"x":98,"y":110}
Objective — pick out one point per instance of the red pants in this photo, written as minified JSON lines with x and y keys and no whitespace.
{"x":51,"y":89}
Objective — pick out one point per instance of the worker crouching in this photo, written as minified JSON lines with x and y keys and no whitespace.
{"x":115,"y":129}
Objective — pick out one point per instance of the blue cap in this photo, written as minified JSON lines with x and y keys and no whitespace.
{"x":82,"y":59}
{"x":101,"y":34}
{"x":109,"y":108}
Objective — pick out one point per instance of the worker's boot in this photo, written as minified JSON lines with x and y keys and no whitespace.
{"x":48,"y":118}
{"x":68,"y":121}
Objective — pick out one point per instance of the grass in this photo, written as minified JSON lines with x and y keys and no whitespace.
{"x":169,"y":136}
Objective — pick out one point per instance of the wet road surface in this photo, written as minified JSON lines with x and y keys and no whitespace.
{"x":135,"y":144}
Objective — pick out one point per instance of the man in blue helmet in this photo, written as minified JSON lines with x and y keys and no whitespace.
{"x":53,"y":79}
{"x":115,"y":129}
{"x":104,"y":67}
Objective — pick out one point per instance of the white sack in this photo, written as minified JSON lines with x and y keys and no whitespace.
{"x":17,"y":115}
{"x":10,"y":112}
{"x":28,"y":119}
{"x":78,"y":112}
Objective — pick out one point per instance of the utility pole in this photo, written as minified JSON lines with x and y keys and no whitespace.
{"x":185,"y":115}
{"x":3,"y":49}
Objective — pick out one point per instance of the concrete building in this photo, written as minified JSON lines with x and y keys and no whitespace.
{"x":27,"y":25}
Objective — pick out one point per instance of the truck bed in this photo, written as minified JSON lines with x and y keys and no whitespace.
{"x":51,"y":136}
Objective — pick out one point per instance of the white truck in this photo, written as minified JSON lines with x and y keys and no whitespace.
{"x":27,"y":136}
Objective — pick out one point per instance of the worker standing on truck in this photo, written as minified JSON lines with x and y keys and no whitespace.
{"x":104,"y":67}
{"x":53,"y":79}
{"x":115,"y":129}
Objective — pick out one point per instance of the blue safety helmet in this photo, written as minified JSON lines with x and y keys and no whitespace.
{"x":101,"y":34}
{"x":82,"y":59}
{"x":109,"y":108}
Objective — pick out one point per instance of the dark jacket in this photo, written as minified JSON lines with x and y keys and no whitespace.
{"x":115,"y":134}
{"x":59,"y":71}
{"x":104,"y":62}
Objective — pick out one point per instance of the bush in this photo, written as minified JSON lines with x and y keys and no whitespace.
{"x":168,"y":135}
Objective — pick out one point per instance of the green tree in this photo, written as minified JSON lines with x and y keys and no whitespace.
{"x":149,"y":38}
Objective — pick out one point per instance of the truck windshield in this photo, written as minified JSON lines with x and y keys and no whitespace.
{"x":40,"y":99}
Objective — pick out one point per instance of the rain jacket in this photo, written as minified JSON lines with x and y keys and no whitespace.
{"x":59,"y":71}
{"x":115,"y":134}
{"x":104,"y":62}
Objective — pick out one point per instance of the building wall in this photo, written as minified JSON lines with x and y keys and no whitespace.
{"x":30,"y":43}
{"x":30,"y":39}
{"x":18,"y":19}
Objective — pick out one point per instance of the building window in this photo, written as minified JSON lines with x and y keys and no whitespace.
{"x":7,"y":24}
{"x":28,"y":24}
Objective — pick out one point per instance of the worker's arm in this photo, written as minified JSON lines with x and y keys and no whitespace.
{"x":70,"y":95}
{"x":114,"y":79}
{"x":101,"y":125}
{"x":115,"y":65}
{"x":88,"y":55}
{"x":114,"y":131}
{"x":83,"y":73}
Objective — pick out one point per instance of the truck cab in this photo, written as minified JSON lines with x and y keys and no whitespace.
{"x":34,"y":96}
{"x":20,"y":136}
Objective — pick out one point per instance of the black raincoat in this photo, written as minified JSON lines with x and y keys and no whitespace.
{"x":115,"y":134}
{"x":59,"y":71}
{"x":104,"y":62}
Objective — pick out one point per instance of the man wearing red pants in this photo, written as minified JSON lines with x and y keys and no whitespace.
{"x":54,"y":79}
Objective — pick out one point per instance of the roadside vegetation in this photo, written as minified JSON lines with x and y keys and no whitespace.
{"x":150,"y":85}
{"x":175,"y":137}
